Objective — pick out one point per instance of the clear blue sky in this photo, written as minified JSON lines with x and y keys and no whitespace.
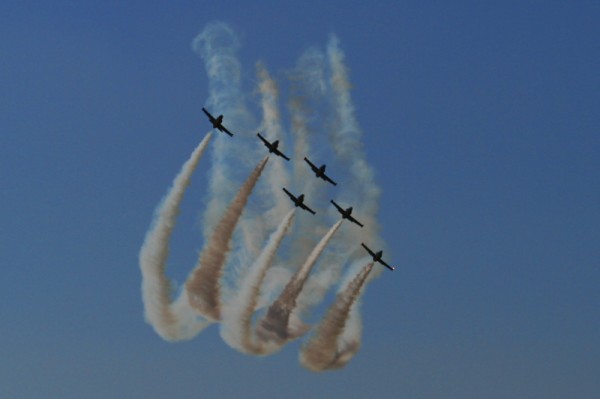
{"x":480,"y":120}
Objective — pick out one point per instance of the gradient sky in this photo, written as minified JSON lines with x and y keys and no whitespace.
{"x":481,"y":122}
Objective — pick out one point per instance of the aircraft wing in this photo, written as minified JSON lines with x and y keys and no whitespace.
{"x":306,"y":208}
{"x":208,"y":114}
{"x":224,"y":130}
{"x":368,"y":249}
{"x":351,"y":218}
{"x":312,"y":165}
{"x":264,"y":140}
{"x":339,"y":208}
{"x":281,"y":154}
{"x":386,"y":265}
{"x":327,"y":178}
{"x":290,"y":195}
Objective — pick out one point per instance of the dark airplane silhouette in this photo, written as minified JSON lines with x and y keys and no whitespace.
{"x":377,"y":257}
{"x":299,"y":201}
{"x":272,"y":146}
{"x":217,"y":122}
{"x":346,"y":213}
{"x":320,"y":171}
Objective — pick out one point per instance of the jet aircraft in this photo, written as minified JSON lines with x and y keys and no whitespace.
{"x":299,"y":201}
{"x":320,"y":171}
{"x":272,"y":146}
{"x":377,"y":257}
{"x":346,"y":213}
{"x":217,"y":122}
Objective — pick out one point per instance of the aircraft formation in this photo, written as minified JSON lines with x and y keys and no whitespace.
{"x":319,"y":171}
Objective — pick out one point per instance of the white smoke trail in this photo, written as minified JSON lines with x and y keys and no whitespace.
{"x":237,"y":320}
{"x":203,"y":285}
{"x":218,"y":45}
{"x":257,"y":276}
{"x":278,"y":325}
{"x":307,"y":89}
{"x":346,"y":140}
{"x":351,"y":338}
{"x":276,"y":176}
{"x":363,"y":193}
{"x":324,"y":350}
{"x":171,"y":321}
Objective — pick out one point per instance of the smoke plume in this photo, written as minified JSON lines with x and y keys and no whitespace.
{"x":275,"y":326}
{"x":166,"y":318}
{"x":246,"y":277}
{"x":203,"y":285}
{"x":236,"y":329}
{"x":324,"y":351}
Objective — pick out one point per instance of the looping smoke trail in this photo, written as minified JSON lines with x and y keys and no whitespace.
{"x":218,"y":45}
{"x":275,"y":327}
{"x":320,"y":102}
{"x":277,"y":175}
{"x":307,"y":89}
{"x":171,"y":322}
{"x":323,"y":351}
{"x":345,"y":137}
{"x":347,"y":143}
{"x":203,"y":285}
{"x":236,"y":328}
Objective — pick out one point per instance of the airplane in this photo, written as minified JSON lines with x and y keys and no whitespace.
{"x":377,"y":257}
{"x":217,"y":122}
{"x":346,"y":213}
{"x":299,"y":201}
{"x":272,"y":146}
{"x":320,"y":171}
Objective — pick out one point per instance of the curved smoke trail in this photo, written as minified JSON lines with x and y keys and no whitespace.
{"x":323,"y":352}
{"x":345,"y":137}
{"x":203,"y":286}
{"x":236,"y":329}
{"x":218,"y":45}
{"x":319,"y":101}
{"x":275,"y":327}
{"x":347,"y":144}
{"x":307,"y":89}
{"x":166,"y":318}
{"x":277,"y":175}
{"x":274,"y":205}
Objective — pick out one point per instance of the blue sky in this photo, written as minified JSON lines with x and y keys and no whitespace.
{"x":480,"y":121}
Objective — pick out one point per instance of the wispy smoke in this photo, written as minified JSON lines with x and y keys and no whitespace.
{"x":167,"y":319}
{"x":362,"y":192}
{"x":346,"y":138}
{"x":276,"y":176}
{"x":244,"y":277}
{"x":218,"y":46}
{"x":236,"y":329}
{"x":203,"y":285}
{"x":307,"y":90}
{"x":275,"y":327}
{"x":324,"y":351}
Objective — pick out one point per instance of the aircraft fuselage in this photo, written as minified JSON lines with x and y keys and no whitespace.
{"x":273,"y":146}
{"x":217,"y":122}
